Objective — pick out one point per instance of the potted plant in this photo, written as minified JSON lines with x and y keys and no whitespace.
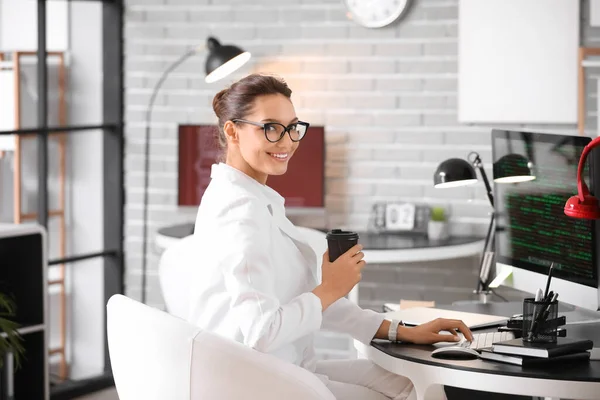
{"x":11,"y":342}
{"x":437,"y":228}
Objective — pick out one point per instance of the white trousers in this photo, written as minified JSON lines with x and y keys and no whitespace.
{"x":363,"y":380}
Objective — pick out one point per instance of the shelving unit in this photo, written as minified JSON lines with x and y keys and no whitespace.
{"x":23,"y":276}
{"x":13,"y":144}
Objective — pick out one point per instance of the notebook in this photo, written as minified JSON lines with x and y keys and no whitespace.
{"x":488,"y":354}
{"x":420,"y":315}
{"x":543,"y":350}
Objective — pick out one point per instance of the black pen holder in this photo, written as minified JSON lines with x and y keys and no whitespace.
{"x":540,"y":321}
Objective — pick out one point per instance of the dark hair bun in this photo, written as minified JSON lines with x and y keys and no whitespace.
{"x":218,"y":101}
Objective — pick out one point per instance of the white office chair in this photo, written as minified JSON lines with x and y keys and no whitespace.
{"x":174,"y":270}
{"x":155,"y":355}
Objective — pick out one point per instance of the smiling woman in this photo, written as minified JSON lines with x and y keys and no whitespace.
{"x":257,"y":279}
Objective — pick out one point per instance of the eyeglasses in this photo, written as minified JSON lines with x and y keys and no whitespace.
{"x":274,"y":131}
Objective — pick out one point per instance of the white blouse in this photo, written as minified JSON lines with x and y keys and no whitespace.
{"x":254,"y":280}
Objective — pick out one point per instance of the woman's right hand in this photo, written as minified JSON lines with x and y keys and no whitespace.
{"x":340,"y":276}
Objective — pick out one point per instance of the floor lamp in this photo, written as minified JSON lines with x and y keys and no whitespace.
{"x":221,"y":61}
{"x":456,"y":172}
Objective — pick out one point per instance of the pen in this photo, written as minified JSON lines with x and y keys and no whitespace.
{"x":539,"y":295}
{"x":549,"y":279}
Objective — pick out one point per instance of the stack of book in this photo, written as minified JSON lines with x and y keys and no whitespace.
{"x":520,"y":352}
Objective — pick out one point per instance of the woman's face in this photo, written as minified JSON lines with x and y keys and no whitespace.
{"x":250,"y":151}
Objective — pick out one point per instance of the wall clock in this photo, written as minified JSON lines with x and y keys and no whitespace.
{"x":376,"y":13}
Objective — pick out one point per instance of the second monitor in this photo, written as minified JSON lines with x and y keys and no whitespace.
{"x":532,"y":231}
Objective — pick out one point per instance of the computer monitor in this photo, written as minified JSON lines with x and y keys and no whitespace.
{"x":532,"y":230}
{"x":302,"y":186}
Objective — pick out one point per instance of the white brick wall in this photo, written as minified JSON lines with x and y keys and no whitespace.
{"x":387,"y":98}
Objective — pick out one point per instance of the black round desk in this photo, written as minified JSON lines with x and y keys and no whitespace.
{"x":428,"y":374}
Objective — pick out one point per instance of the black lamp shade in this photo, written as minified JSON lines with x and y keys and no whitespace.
{"x":513,"y":168}
{"x":223,"y":59}
{"x":454,"y":172}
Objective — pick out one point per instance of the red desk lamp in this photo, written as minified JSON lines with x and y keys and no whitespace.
{"x":584,"y":205}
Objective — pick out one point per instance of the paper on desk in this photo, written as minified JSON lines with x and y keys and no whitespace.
{"x":421,"y":315}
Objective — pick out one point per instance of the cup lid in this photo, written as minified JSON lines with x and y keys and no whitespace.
{"x":341,"y":234}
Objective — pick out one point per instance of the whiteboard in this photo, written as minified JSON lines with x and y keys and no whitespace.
{"x":518,"y":61}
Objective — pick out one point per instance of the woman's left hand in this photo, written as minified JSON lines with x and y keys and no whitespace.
{"x":429,"y":332}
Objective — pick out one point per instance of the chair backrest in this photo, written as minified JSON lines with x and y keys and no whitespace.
{"x":150,"y":351}
{"x":174,"y":271}
{"x":156,"y":356}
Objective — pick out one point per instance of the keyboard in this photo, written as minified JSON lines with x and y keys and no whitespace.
{"x":481,"y":340}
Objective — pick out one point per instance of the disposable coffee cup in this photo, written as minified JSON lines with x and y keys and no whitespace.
{"x":339,"y":242}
